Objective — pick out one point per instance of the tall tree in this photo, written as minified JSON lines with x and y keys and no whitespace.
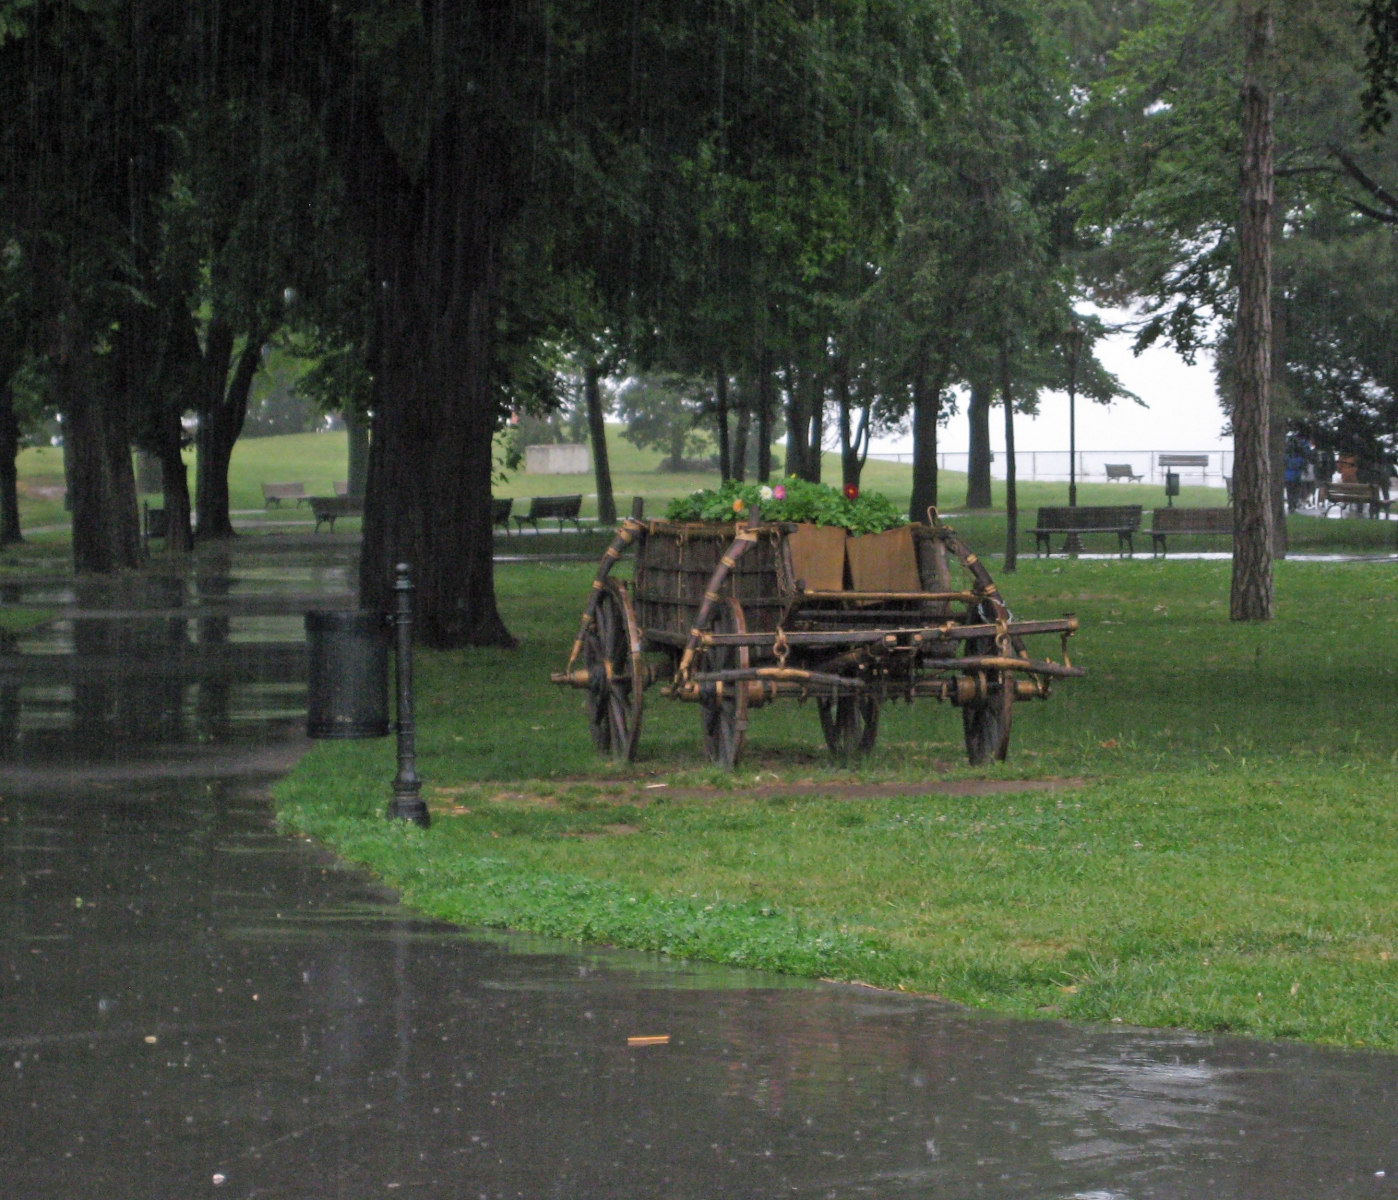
{"x":87,"y":91}
{"x":978,"y":458}
{"x":1007,"y":398}
{"x":597,"y":432}
{"x":1251,"y":596}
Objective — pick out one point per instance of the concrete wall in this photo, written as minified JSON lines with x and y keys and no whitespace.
{"x":557,"y":460}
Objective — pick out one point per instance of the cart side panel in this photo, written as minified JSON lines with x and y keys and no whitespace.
{"x":676,"y":561}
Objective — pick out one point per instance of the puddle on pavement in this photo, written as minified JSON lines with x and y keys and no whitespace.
{"x":189,"y":995}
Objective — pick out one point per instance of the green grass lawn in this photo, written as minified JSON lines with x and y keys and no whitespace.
{"x":1223,"y":857}
{"x":16,"y":619}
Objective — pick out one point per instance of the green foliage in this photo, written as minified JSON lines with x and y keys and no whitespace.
{"x":791,"y":500}
{"x":661,"y":411}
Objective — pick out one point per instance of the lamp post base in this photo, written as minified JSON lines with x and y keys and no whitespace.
{"x":409,"y":806}
{"x":1072,"y":545}
{"x":407,"y":803}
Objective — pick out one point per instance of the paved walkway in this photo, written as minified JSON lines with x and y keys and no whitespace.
{"x":194,"y":1004}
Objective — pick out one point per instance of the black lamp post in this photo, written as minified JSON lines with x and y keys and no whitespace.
{"x":1073,"y":339}
{"x":407,"y":803}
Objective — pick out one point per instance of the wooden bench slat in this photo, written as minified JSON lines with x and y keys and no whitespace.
{"x":328,"y":509}
{"x":552,"y":508}
{"x":1164,"y":521}
{"x":1124,"y":520}
{"x":274,"y":493}
{"x":1353,"y":495}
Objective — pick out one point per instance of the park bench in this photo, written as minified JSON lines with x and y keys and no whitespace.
{"x":1165,"y":521}
{"x":551,"y":508}
{"x":1196,"y":462}
{"x":274,"y":493}
{"x":1124,"y":520}
{"x":328,"y":509}
{"x":500,"y":511}
{"x":1353,"y":495}
{"x":1121,"y":471}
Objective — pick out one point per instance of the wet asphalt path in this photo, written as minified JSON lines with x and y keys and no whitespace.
{"x":194,"y":1005}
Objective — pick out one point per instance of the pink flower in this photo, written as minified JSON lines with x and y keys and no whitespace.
{"x":779,"y":492}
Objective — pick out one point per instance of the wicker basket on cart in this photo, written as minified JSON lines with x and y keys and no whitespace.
{"x":733,"y":616}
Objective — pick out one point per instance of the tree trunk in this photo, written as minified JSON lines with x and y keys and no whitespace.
{"x":927,"y":406}
{"x":1251,"y":597}
{"x":101,"y":482}
{"x":854,"y":439}
{"x":741,"y":432}
{"x":765,"y":406}
{"x":798,"y":425}
{"x":805,"y":424}
{"x":597,"y":431}
{"x":357,"y":468}
{"x":675,"y":460}
{"x":1011,"y":499}
{"x":174,"y":485}
{"x":221,"y":417}
{"x":1279,"y":412}
{"x":9,"y":476}
{"x":435,"y":250}
{"x":978,"y":467}
{"x":725,"y":456}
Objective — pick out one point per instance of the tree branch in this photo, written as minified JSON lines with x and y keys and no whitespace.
{"x":1386,"y":218}
{"x":1361,"y":177}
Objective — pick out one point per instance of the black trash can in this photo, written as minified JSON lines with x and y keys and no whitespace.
{"x":1172,"y":488}
{"x":347,"y":694}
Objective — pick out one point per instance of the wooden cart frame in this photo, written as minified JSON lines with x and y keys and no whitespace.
{"x":718,"y":615}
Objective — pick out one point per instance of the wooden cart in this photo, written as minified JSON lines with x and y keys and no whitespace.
{"x":734,"y":616}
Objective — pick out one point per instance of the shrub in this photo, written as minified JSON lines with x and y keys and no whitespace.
{"x":791,"y":500}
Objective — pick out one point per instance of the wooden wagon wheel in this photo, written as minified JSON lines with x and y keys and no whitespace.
{"x":986,"y":720}
{"x":611,"y":653}
{"x":850,"y":725}
{"x":725,"y":717}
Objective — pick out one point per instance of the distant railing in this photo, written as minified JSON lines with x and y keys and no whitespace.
{"x":1051,"y":466}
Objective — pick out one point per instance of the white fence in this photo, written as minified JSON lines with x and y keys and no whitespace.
{"x":1052,"y":465}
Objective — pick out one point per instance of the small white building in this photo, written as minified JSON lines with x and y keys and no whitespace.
{"x":557,"y":460}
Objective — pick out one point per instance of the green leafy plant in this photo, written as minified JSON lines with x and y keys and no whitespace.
{"x":791,"y":500}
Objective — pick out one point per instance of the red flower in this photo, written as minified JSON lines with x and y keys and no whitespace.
{"x":851,"y":492}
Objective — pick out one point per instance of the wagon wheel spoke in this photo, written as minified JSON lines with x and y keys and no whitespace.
{"x":724,"y":718}
{"x":615,"y":677}
{"x":986,"y":722}
{"x":850,"y":725}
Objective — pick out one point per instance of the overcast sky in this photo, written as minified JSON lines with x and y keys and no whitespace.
{"x":1181,"y":412}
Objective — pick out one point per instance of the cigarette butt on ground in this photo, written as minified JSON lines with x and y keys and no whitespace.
{"x":657,"y":1039}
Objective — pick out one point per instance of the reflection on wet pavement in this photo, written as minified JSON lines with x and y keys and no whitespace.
{"x":194,"y":1004}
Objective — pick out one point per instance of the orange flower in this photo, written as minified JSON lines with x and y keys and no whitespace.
{"x":737,"y":506}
